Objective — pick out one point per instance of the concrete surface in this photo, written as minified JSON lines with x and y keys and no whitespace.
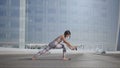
{"x":81,"y":60}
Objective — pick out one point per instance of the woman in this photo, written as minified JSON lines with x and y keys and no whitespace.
{"x":57,"y":44}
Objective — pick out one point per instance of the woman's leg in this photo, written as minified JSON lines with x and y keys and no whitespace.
{"x":59,"y":46}
{"x":41,"y":52}
{"x":64,"y":50}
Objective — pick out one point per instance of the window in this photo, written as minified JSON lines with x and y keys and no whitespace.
{"x":15,"y":3}
{"x":3,"y":11}
{"x":3,"y":2}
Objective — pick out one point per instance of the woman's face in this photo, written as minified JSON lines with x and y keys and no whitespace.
{"x":67,"y":35}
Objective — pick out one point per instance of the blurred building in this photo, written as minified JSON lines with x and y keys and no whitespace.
{"x":93,"y":23}
{"x":9,"y":23}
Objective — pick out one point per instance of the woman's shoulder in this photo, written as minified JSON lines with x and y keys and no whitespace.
{"x":61,"y":36}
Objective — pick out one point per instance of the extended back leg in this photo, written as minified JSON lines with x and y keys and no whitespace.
{"x":41,"y":52}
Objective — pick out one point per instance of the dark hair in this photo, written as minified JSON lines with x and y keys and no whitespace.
{"x":67,"y":32}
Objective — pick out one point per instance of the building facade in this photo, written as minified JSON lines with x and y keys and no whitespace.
{"x":9,"y":23}
{"x":93,"y":23}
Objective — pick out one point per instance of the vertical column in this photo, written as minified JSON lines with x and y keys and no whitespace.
{"x":22,"y":24}
{"x":118,"y":33}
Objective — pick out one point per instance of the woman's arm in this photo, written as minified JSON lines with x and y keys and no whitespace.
{"x":67,"y":43}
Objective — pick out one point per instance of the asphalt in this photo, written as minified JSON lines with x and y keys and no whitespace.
{"x":54,"y":61}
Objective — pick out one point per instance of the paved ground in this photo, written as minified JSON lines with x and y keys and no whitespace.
{"x":54,"y":61}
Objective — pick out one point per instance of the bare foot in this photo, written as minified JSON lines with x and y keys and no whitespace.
{"x":33,"y":58}
{"x":66,"y":59}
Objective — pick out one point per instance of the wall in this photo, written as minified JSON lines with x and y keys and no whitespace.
{"x":93,"y":23}
{"x":118,"y":41}
{"x":9,"y":23}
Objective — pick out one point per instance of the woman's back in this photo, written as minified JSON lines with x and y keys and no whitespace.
{"x":58,"y":39}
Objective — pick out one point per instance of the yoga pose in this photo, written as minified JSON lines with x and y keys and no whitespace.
{"x":55,"y":44}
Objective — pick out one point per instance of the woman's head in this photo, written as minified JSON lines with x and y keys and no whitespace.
{"x":67,"y":33}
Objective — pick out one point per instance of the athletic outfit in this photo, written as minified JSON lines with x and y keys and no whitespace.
{"x":55,"y":44}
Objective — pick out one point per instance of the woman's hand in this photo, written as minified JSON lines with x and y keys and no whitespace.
{"x":73,"y":47}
